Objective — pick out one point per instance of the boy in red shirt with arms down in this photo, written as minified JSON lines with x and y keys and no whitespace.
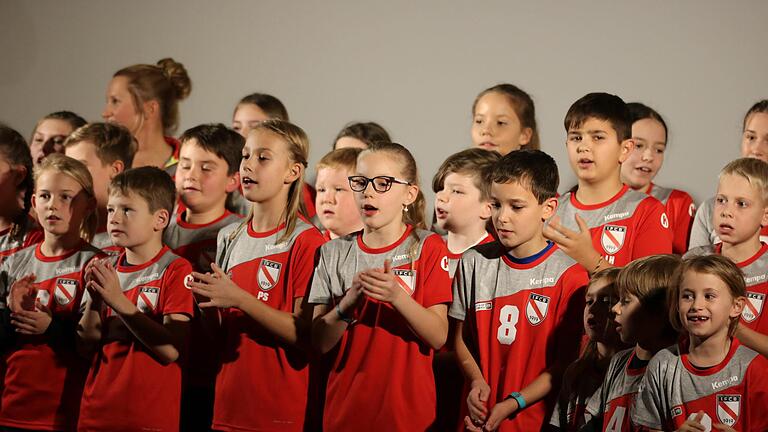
{"x":137,"y":313}
{"x":604,"y":222}
{"x":517,"y":302}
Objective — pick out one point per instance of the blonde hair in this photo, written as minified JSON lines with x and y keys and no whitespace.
{"x":298,"y":149}
{"x":715,"y":265}
{"x":79,"y":172}
{"x":166,"y":82}
{"x":754,"y":170}
{"x":343,"y":158}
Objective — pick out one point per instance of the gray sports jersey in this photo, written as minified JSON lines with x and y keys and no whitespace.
{"x":661,"y":193}
{"x":733,"y":393}
{"x":618,"y":393}
{"x":196,"y":243}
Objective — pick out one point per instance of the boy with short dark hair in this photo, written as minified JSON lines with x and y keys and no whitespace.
{"x":106,"y":149}
{"x":603,"y":222}
{"x":517,"y":302}
{"x":137,"y":312}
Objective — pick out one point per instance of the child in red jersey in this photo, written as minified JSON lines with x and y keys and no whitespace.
{"x":604,"y":222}
{"x":107,"y":150}
{"x":44,"y":376}
{"x":642,"y":321}
{"x":262,"y":274}
{"x":649,"y":133}
{"x":380,"y":299}
{"x":137,"y":312}
{"x":740,"y":213}
{"x":517,"y":302}
{"x":754,"y":144}
{"x":335,"y":203}
{"x":17,"y":229}
{"x":582,"y":379}
{"x":708,"y":381}
{"x":144,"y":98}
{"x":504,"y":120}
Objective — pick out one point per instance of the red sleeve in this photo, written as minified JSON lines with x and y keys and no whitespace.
{"x":176,"y":297}
{"x":434,"y":265}
{"x":569,"y":327}
{"x":757,"y":393}
{"x":681,"y":210}
{"x":653,"y":234}
{"x":304,"y":256}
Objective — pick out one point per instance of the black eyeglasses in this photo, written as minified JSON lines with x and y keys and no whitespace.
{"x":381,"y":184}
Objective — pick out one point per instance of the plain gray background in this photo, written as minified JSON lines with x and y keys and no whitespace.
{"x":415,"y":67}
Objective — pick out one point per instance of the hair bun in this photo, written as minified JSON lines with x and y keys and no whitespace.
{"x":177,"y":75}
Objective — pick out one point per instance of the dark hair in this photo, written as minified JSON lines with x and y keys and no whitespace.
{"x":602,"y":106}
{"x":166,"y":82}
{"x":14,"y":149}
{"x":533,"y":169}
{"x":112,"y":141}
{"x":472,"y":162}
{"x":219,"y":140}
{"x":524,"y":108}
{"x":152,"y":184}
{"x":639,"y":111}
{"x":73,"y":119}
{"x":758,"y":107}
{"x":271,"y":105}
{"x":369,"y":132}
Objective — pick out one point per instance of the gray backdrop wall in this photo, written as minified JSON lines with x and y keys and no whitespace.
{"x":415,"y":67}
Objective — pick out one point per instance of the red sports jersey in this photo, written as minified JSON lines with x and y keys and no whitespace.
{"x":680,"y":209}
{"x":44,"y":377}
{"x":628,"y":226}
{"x":127,"y":388}
{"x":520,"y":318}
{"x":263,"y":383}
{"x":618,"y":392}
{"x":10,"y":245}
{"x":733,"y":393}
{"x":755,"y":271}
{"x":381,"y":376}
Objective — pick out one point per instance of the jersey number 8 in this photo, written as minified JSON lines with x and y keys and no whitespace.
{"x":508,"y":317}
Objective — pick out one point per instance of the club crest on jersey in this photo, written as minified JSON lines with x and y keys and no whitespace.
{"x":753,"y":307}
{"x":65,"y":291}
{"x":406,"y":279}
{"x":728,"y":407}
{"x":613,"y":238}
{"x":536,"y":308}
{"x":269,"y":274}
{"x":147,"y":300}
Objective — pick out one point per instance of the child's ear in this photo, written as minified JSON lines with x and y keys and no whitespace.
{"x":764,"y":220}
{"x":21,"y":173}
{"x":525,"y":136}
{"x":294,"y":173}
{"x":485,"y":211}
{"x":549,"y":208}
{"x":626,"y":148}
{"x":34,"y":202}
{"x":413,"y":193}
{"x":233,"y":183}
{"x":162,"y":218}
{"x":738,"y":306}
{"x":116,"y":168}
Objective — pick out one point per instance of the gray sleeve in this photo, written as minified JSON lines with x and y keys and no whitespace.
{"x":649,"y":404}
{"x":320,"y":291}
{"x":458,"y":309}
{"x":702,"y":229}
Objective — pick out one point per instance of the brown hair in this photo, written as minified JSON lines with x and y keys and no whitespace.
{"x":298,"y":149}
{"x":524,"y":108}
{"x":74,"y":120}
{"x":471,"y":162}
{"x":715,"y":265}
{"x":343,"y":158}
{"x":112,"y":142}
{"x":367,"y":132}
{"x":15,"y":151}
{"x":602,"y":106}
{"x":220,"y":140}
{"x":648,"y":278}
{"x":533,"y":169}
{"x":167,"y":82}
{"x":271,"y":105}
{"x":758,"y":107}
{"x":152,"y":184}
{"x":754,"y":170}
{"x":79,"y":172}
